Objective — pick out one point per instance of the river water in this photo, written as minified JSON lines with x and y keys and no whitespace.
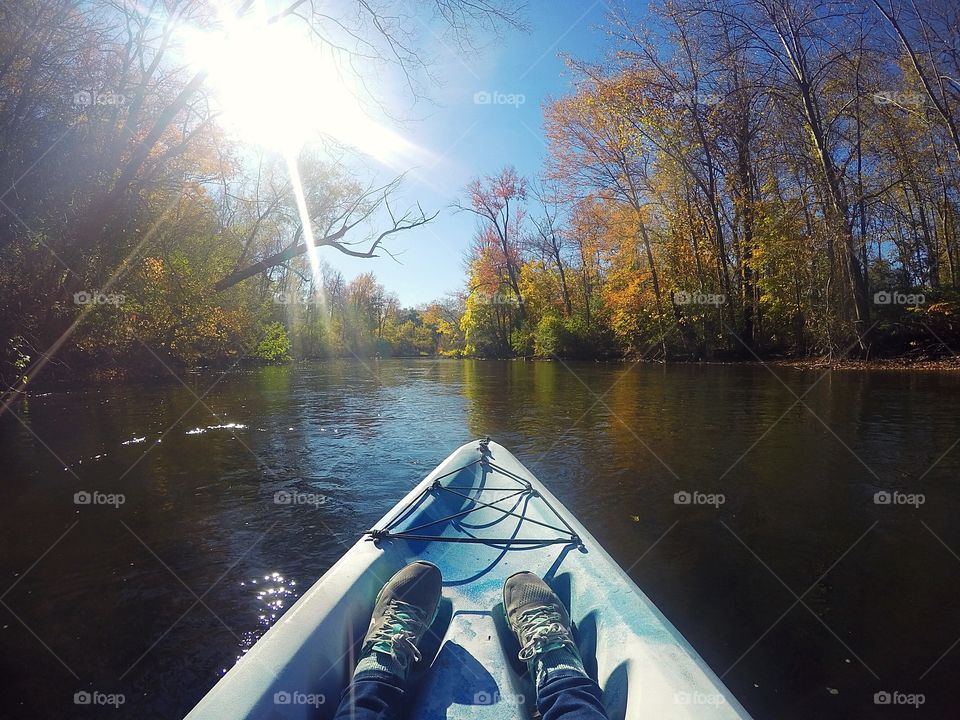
{"x":795,"y":585}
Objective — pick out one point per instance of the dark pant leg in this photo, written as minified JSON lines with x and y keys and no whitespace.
{"x":373,"y":696}
{"x":570,"y":697}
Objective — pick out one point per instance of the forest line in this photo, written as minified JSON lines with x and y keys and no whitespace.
{"x":738,"y":179}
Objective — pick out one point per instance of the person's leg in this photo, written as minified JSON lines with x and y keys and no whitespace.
{"x":570,"y":697}
{"x":402,"y":613}
{"x":370,"y":698}
{"x":542,"y":625}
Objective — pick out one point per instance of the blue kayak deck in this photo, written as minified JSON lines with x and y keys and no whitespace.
{"x":480,"y":517}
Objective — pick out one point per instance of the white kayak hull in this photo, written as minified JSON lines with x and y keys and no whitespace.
{"x":480,"y":516}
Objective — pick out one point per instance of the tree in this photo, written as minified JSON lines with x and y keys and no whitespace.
{"x":498,"y":201}
{"x":336,"y":205}
{"x":108,"y":132}
{"x":549,"y":239}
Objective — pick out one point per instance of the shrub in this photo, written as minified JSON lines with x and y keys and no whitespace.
{"x":275,"y":345}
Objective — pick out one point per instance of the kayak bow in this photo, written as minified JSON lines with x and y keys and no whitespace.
{"x":480,"y":516}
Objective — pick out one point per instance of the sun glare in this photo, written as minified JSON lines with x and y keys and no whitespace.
{"x":276,"y":86}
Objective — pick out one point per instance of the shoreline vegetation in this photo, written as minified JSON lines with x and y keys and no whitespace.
{"x":727,"y":182}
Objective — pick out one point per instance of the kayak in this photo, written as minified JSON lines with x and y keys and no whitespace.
{"x":480,"y":516}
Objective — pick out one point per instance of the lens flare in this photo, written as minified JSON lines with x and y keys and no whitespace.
{"x":275,"y":84}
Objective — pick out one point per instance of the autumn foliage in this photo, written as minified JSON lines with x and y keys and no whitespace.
{"x":739,"y":178}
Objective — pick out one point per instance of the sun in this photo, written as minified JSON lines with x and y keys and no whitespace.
{"x":275,"y":85}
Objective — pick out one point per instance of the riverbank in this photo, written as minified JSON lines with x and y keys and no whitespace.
{"x":951,"y":363}
{"x":903,"y":363}
{"x":158,"y":374}
{"x":801,"y":363}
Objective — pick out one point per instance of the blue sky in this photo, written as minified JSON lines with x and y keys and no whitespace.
{"x":464,"y":139}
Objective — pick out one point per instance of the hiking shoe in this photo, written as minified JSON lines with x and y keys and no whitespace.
{"x":404,"y":609}
{"x":542,"y":625}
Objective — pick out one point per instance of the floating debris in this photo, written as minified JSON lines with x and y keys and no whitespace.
{"x":80,"y":462}
{"x":135,"y":440}
{"x":225,"y":426}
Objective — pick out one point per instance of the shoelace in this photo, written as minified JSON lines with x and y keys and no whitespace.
{"x":394,"y":633}
{"x":542,"y":626}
